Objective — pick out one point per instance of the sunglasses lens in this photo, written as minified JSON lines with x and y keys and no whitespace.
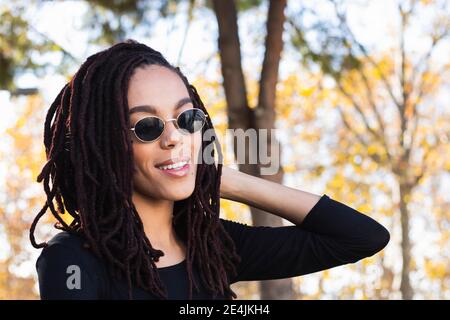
{"x":191,"y":120}
{"x":149,"y":129}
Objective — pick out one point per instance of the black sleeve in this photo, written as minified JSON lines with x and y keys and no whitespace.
{"x":331,"y":234}
{"x":68,"y":272}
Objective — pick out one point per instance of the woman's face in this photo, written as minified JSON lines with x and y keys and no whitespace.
{"x":162,"y":90}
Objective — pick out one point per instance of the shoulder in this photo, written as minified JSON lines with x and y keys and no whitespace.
{"x":67,"y":248}
{"x":66,"y":242}
{"x":68,"y":270}
{"x":66,"y":239}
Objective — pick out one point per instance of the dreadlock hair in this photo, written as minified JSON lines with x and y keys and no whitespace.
{"x":90,"y":164}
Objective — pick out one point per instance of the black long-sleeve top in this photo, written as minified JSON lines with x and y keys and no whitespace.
{"x":332,"y":234}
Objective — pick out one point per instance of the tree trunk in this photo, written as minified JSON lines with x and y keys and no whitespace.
{"x":263,"y":117}
{"x":405,"y":286}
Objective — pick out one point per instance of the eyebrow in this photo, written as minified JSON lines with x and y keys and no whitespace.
{"x":152,"y":109}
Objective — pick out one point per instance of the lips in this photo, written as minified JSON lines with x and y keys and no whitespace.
{"x":172,"y":161}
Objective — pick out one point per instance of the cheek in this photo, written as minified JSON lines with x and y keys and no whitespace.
{"x":142,"y":157}
{"x":139,"y":152}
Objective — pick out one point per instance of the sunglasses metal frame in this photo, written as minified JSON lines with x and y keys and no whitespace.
{"x":164,"y":124}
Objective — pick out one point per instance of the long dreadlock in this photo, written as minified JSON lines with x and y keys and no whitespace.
{"x":90,"y":164}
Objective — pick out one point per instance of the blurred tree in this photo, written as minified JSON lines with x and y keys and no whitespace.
{"x":367,"y":88}
{"x":411,"y":143}
{"x":20,"y":199}
{"x":21,"y":47}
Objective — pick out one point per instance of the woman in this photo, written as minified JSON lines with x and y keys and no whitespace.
{"x":123,"y":140}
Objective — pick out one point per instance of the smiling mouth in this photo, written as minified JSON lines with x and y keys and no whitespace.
{"x":175,"y":169}
{"x":176,"y":172}
{"x":174,"y":166}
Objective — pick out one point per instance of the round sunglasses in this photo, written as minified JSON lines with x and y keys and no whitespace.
{"x":150,"y":128}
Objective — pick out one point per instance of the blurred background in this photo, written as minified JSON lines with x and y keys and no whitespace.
{"x":358,"y":91}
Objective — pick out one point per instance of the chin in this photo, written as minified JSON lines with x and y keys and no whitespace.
{"x":182,"y":195}
{"x":177,"y":195}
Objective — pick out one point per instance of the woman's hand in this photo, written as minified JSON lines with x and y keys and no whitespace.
{"x":288,"y":203}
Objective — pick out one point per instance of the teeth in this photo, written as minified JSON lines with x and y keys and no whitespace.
{"x":173,"y":166}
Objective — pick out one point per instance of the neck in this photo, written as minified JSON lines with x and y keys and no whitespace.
{"x":156,"y":216}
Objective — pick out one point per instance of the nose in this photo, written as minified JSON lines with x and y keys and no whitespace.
{"x":171,"y":136}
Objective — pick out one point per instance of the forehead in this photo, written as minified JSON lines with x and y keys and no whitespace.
{"x":157,"y":86}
